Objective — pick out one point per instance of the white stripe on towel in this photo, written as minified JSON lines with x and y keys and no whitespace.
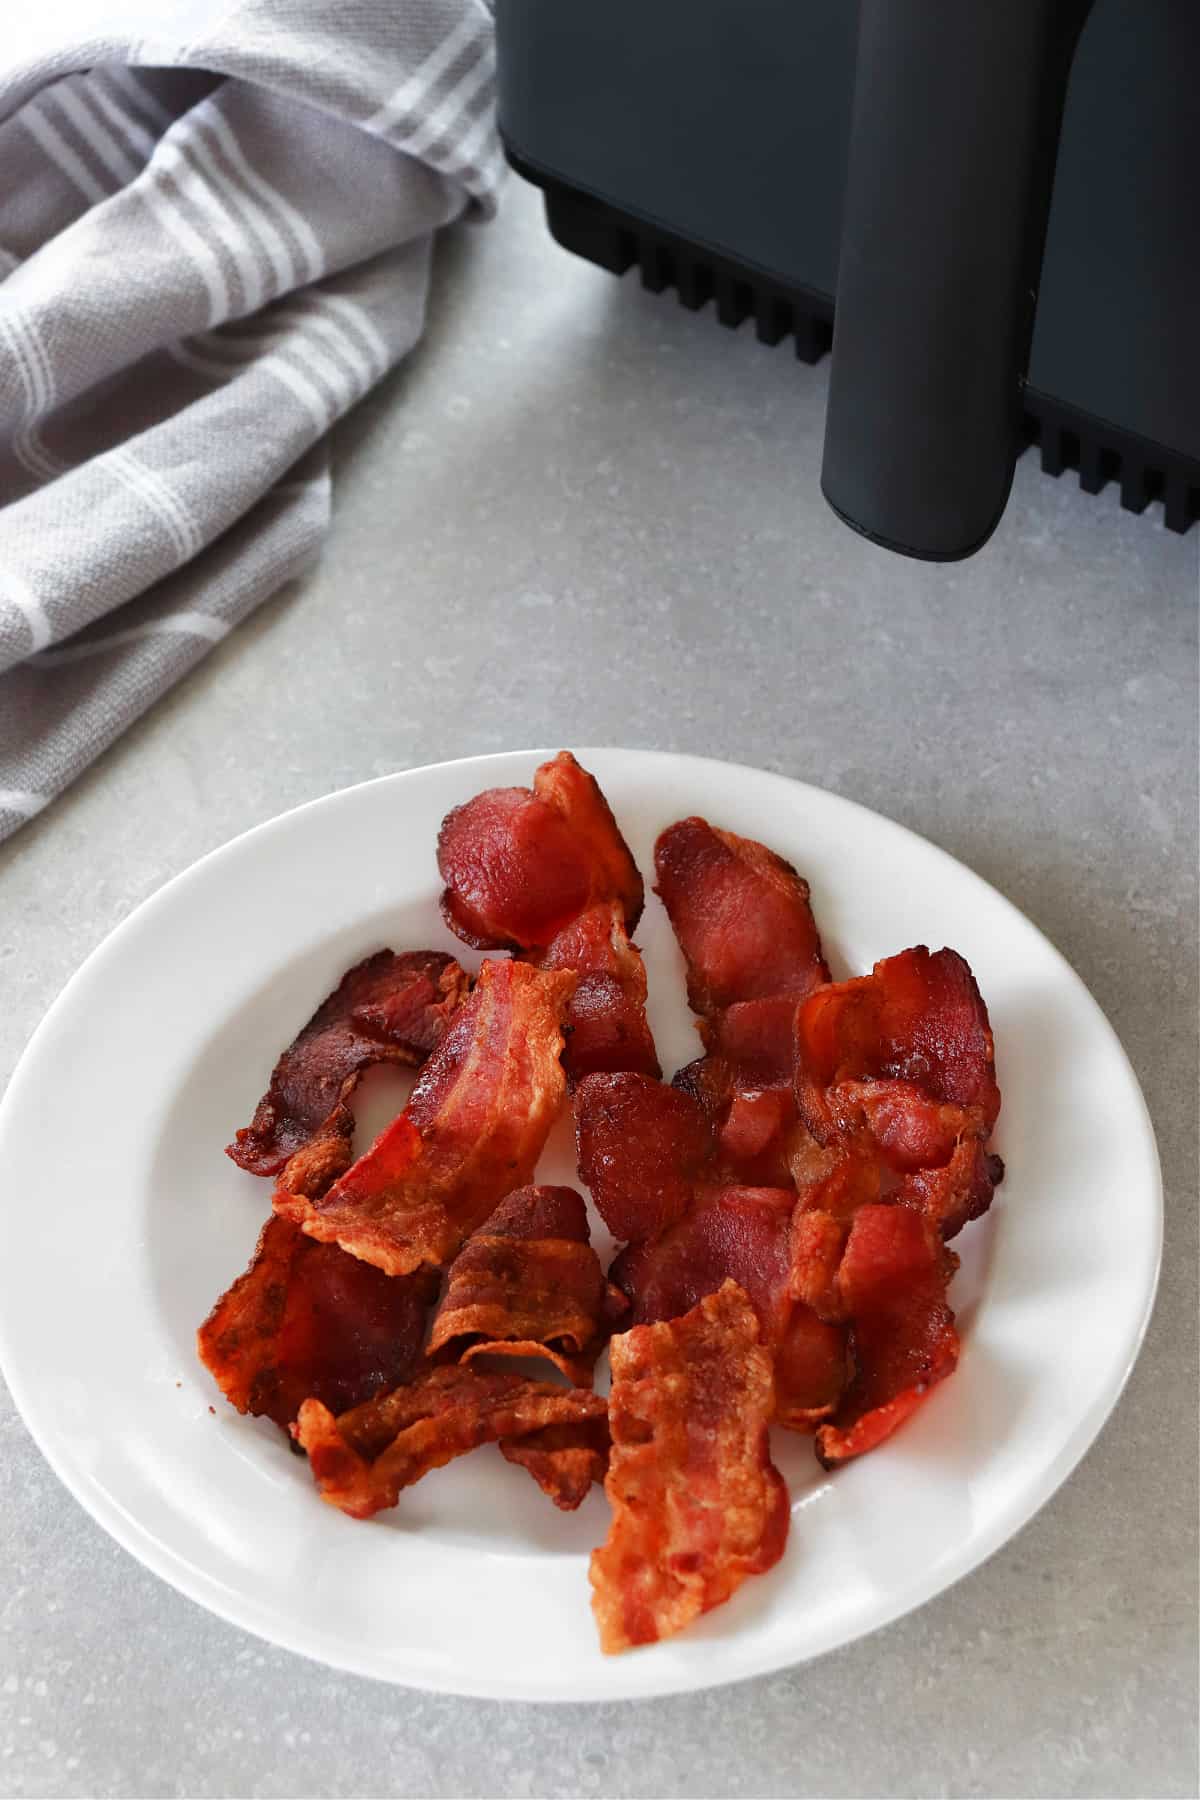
{"x":192,"y":624}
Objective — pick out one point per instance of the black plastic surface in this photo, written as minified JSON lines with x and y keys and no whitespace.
{"x":653,"y":132}
{"x":1069,"y":438}
{"x":952,"y":144}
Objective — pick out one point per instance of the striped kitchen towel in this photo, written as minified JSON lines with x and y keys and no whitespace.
{"x":215,"y":230}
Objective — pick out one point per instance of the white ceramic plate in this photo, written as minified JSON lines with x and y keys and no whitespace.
{"x":121,"y":1220}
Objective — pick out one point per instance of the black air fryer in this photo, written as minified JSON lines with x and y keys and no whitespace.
{"x":990,"y":207}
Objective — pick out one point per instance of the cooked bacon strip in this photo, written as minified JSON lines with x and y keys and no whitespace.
{"x":891,"y":1283}
{"x":472,"y":1131}
{"x":528,"y":1283}
{"x":520,"y":865}
{"x":606,"y":1026}
{"x":918,"y":1021}
{"x":564,"y":1460}
{"x":743,"y":1234}
{"x":744,"y":1084}
{"x":387,"y":1009}
{"x":306,"y":1319}
{"x":950,"y":1197}
{"x":565,"y":786}
{"x":902,"y":1060}
{"x":697,"y":1502}
{"x":741,"y":915}
{"x":362,"y":1460}
{"x":641,"y":1148}
{"x":757,"y":1037}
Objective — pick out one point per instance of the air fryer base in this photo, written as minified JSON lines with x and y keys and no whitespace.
{"x":1067,"y":437}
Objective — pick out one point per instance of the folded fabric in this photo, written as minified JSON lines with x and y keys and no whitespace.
{"x":211,"y":246}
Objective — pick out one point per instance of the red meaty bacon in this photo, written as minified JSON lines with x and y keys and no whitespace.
{"x":741,"y":915}
{"x":546,"y":872}
{"x":473,"y":1130}
{"x":520,"y":865}
{"x":744,"y":1235}
{"x":697,"y":1502}
{"x":528,"y":1283}
{"x":642,"y":1147}
{"x":902,"y":1060}
{"x":750,"y":942}
{"x":387,"y":1009}
{"x":306,"y":1319}
{"x":744,"y":1084}
{"x":891,"y":1286}
{"x":363,"y":1460}
{"x":605,"y":1024}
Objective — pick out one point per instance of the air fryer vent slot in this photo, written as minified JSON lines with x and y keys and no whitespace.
{"x":1067,"y":439}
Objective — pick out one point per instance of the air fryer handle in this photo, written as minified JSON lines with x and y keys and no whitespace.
{"x":957,"y":107}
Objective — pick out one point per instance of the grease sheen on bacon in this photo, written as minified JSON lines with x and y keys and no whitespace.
{"x":472,"y":1131}
{"x":741,"y":915}
{"x":306,"y":1319}
{"x":528,"y":1283}
{"x":744,"y":1235}
{"x":364,"y":1459}
{"x":902,"y":1060}
{"x":606,"y":1025}
{"x":697,"y":1503}
{"x":744,"y":1083}
{"x":519,"y":864}
{"x":388,"y":1008}
{"x":641,"y":1147}
{"x":891,"y":1285}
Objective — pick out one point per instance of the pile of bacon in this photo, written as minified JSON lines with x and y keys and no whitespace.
{"x":783,"y":1204}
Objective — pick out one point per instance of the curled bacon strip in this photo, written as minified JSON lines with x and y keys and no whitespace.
{"x":474,"y":1127}
{"x":641,"y":1148}
{"x":564,"y":1460}
{"x":387,"y":1009}
{"x":741,"y":915}
{"x":362,"y":1460}
{"x":519,"y":866}
{"x":891,"y":1284}
{"x":306,"y":1319}
{"x":606,"y":1026}
{"x":528,"y":1283}
{"x":697,"y":1502}
{"x":902,"y":1060}
{"x":744,"y":1235}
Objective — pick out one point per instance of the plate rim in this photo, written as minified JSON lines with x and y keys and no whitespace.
{"x":205,"y":1590}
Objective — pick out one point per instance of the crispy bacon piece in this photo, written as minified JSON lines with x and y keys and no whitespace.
{"x":641,"y":1148}
{"x":472,"y":1131}
{"x":838,"y":1178}
{"x":950,"y":1197}
{"x":362,"y":1460}
{"x":891,"y":1283}
{"x":606,"y":1026}
{"x":564,"y":1460}
{"x":387,"y":1009}
{"x":741,"y":915}
{"x":902,"y":1060}
{"x":528,"y":1283}
{"x":306,"y":1319}
{"x":697,"y":1502}
{"x":519,"y":865}
{"x":817,"y":1247}
{"x":743,"y":1234}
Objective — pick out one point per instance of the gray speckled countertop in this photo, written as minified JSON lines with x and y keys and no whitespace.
{"x":583,"y":515}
